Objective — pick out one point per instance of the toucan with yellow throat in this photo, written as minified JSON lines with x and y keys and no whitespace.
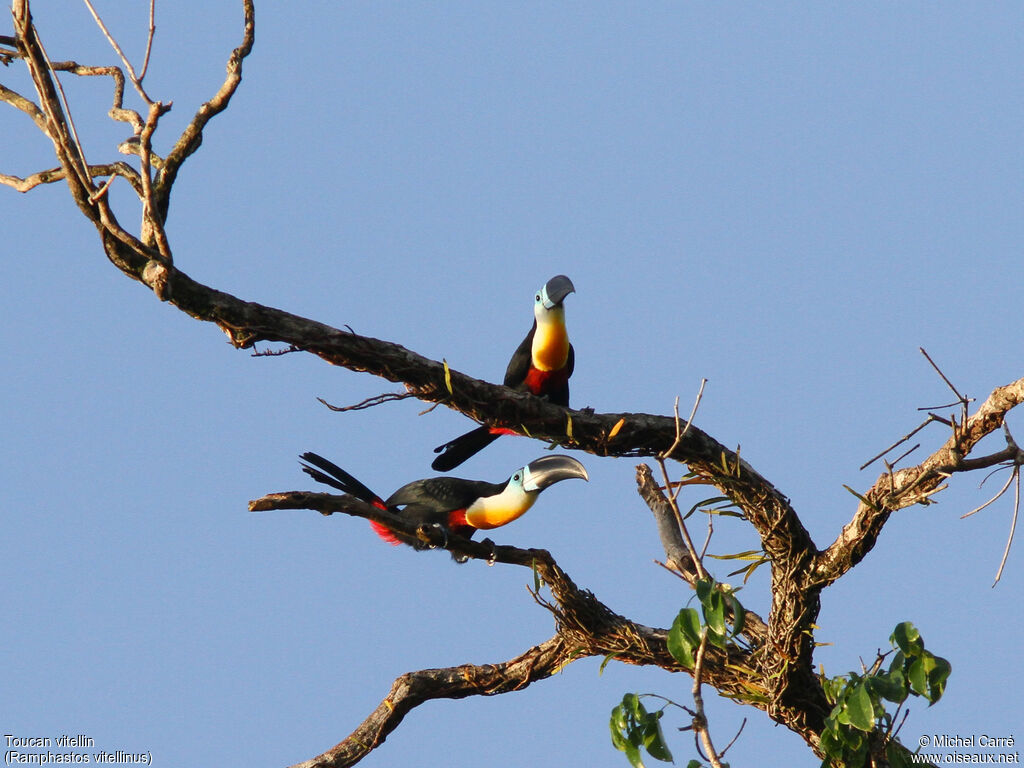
{"x":455,"y":505}
{"x":541,"y":365}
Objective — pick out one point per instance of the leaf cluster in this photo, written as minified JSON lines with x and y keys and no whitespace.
{"x":723,"y":616}
{"x":634,"y":727}
{"x":859,"y":700}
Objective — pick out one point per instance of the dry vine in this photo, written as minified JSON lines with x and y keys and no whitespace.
{"x":773,"y":668}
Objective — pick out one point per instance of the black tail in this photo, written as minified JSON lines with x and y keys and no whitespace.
{"x":337,"y":478}
{"x":456,"y":451}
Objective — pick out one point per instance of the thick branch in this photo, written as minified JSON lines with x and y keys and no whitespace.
{"x":584,"y":625}
{"x":677,"y":556}
{"x":755,"y":630}
{"x":414,"y":688}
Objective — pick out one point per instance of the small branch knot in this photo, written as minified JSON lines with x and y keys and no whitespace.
{"x":156,"y":276}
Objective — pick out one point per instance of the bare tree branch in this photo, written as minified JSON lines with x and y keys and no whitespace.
{"x":27,"y":106}
{"x":915,"y":485}
{"x":192,"y":137}
{"x":584,"y":627}
{"x":57,"y":174}
{"x":414,"y":688}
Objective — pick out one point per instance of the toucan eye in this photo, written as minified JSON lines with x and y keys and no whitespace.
{"x":515,"y":477}
{"x":537,"y":297}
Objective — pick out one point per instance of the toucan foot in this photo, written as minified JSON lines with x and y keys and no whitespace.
{"x":493,"y":557}
{"x":427,"y":534}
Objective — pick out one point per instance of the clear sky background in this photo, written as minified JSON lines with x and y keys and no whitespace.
{"x":787,"y":199}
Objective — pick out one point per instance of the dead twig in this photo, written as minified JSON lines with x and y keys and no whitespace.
{"x":931,"y":417}
{"x":1013,"y":526}
{"x":136,"y":80}
{"x":369,"y":402}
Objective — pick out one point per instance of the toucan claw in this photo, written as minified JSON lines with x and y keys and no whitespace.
{"x":493,"y":557}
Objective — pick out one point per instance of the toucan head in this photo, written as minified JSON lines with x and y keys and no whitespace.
{"x":521,"y":490}
{"x":553,"y":293}
{"x":548,"y":470}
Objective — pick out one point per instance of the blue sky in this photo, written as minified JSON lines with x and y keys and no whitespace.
{"x":788,"y":200}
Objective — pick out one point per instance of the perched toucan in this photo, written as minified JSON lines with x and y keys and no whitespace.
{"x":541,"y":366}
{"x":451,"y":503}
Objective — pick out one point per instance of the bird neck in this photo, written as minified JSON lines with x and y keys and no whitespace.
{"x":499,"y":509}
{"x":550,"y":348}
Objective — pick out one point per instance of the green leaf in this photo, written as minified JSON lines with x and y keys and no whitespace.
{"x":748,"y":570}
{"x":625,"y":734}
{"x":704,"y":588}
{"x":739,"y":614}
{"x":631,"y":704}
{"x":832,"y":687}
{"x":907,"y":638}
{"x":890,"y":685}
{"x":606,"y":660}
{"x":695,"y":764}
{"x":937,"y":679}
{"x":750,"y":554}
{"x":918,"y":676}
{"x":684,"y":637}
{"x":714,"y":618}
{"x":705,"y":503}
{"x":830,"y":744}
{"x":859,"y":708}
{"x":654,"y":739}
{"x":899,"y":662}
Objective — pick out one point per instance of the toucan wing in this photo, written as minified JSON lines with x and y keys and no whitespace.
{"x":519,"y":365}
{"x":442,"y":494}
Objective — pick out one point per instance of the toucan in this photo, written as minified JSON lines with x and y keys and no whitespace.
{"x":541,"y":365}
{"x":455,"y":505}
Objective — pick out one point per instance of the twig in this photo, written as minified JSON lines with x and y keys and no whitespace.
{"x":733,"y":741}
{"x":949,"y":384}
{"x":136,"y":80}
{"x":940,"y":407}
{"x":889,"y":465}
{"x":102,"y":190}
{"x":707,"y":540}
{"x":191,"y":138}
{"x":369,"y":402}
{"x":70,"y":120}
{"x":1002,"y":490}
{"x":931,"y":417}
{"x":1013,"y":526}
{"x":963,"y":400}
{"x":149,"y":39}
{"x":689,"y":421}
{"x":671,"y":495}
